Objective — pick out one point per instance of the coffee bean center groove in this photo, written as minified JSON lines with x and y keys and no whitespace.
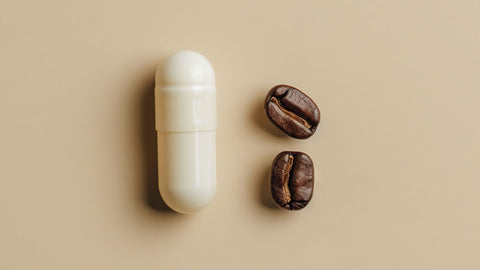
{"x":291,"y":114}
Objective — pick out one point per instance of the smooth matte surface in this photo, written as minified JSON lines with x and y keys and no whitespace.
{"x":397,"y":152}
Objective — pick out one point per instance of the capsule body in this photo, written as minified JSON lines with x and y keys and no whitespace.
{"x":185,"y":106}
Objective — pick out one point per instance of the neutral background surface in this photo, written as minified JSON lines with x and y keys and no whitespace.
{"x":397,"y":153}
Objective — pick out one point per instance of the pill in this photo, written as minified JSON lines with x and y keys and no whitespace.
{"x":186,"y":120}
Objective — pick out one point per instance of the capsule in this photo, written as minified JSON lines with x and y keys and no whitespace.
{"x":186,"y":120}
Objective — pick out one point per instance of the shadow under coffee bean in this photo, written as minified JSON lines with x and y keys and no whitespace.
{"x":291,"y":180}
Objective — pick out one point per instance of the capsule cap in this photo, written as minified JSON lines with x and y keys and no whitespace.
{"x":185,"y":94}
{"x":185,"y":68}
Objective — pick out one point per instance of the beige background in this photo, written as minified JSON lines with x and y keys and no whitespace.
{"x":397,"y":154}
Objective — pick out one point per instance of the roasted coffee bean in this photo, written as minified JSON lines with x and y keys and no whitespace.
{"x":291,"y":180}
{"x":292,"y":111}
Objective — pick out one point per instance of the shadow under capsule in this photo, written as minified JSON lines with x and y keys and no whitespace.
{"x":148,"y":141}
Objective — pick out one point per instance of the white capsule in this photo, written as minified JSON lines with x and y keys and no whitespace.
{"x":186,"y":120}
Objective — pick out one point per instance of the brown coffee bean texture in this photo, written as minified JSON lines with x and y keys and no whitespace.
{"x":291,"y":180}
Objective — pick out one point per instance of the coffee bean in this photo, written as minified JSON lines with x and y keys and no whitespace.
{"x":292,"y":111}
{"x":291,"y":180}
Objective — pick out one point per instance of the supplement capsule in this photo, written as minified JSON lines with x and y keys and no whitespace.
{"x":186,"y":120}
